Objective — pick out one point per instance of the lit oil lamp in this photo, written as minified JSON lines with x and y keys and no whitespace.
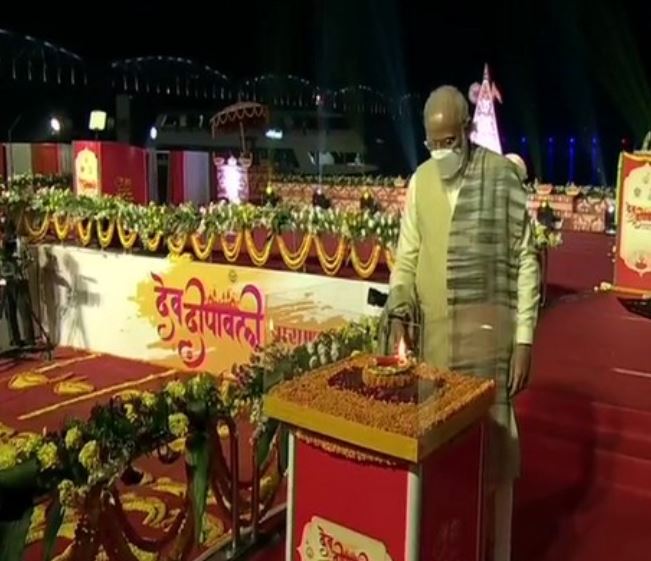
{"x":390,"y":372}
{"x":399,"y":359}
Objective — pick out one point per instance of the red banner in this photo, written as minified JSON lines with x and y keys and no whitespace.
{"x":633,"y":259}
{"x":111,"y":168}
{"x":46,"y":159}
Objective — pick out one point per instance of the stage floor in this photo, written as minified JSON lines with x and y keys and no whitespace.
{"x":585,"y":490}
{"x":35,"y":395}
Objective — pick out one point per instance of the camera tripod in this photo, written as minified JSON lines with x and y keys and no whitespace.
{"x":15,"y":300}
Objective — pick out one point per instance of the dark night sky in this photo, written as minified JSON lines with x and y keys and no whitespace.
{"x":548,"y":53}
{"x":564,"y":67}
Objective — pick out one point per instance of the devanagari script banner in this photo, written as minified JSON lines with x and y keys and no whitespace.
{"x":633,"y":262}
{"x":186,"y":314}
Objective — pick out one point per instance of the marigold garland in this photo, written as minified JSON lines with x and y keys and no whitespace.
{"x":339,"y":449}
{"x":389,"y":258}
{"x":36,"y":233}
{"x":216,"y":218}
{"x":331,"y":265}
{"x":127,"y":239}
{"x":205,"y":251}
{"x":105,"y":235}
{"x":84,"y":230}
{"x":151,"y":243}
{"x":232,"y":252}
{"x":258,"y":258}
{"x":61,"y":226}
{"x":365,"y":269}
{"x":176,"y":243}
{"x":295,"y":260}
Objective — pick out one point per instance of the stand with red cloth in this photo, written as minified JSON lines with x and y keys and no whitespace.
{"x":359,"y":492}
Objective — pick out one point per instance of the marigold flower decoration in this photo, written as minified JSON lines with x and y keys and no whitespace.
{"x":8,"y":456}
{"x":73,"y":438}
{"x":26,"y":443}
{"x":71,"y":495}
{"x":48,"y":455}
{"x":89,"y":456}
{"x":175,"y":389}
{"x":178,"y":424}
{"x":149,"y":400}
{"x":130,"y":412}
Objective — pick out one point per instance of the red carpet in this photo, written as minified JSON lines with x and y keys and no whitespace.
{"x":585,"y":491}
{"x":583,"y":261}
{"x":33,"y":395}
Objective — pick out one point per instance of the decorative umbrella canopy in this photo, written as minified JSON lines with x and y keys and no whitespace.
{"x":237,"y":115}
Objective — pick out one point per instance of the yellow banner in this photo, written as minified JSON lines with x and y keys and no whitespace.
{"x":213,"y":316}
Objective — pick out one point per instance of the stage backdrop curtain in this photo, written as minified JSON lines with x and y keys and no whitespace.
{"x":21,"y":158}
{"x":196,"y":177}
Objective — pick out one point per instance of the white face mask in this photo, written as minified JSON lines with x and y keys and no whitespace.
{"x":449,"y":161}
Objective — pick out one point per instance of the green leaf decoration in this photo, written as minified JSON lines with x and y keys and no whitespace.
{"x":199,"y":461}
{"x":52,"y":526}
{"x":272,"y":379}
{"x":21,"y":478}
{"x":283,"y":449}
{"x":13,"y":535}
{"x":264,"y":441}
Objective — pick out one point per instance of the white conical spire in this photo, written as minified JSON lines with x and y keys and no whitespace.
{"x":486,"y":133}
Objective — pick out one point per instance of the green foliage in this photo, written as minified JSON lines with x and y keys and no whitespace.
{"x":13,"y":535}
{"x":198,"y":460}
{"x":53,"y":523}
{"x":63,"y":465}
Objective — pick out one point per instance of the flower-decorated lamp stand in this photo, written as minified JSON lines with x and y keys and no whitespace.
{"x":378,"y":480}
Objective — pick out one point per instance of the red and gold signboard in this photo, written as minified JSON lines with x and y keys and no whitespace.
{"x":633,"y":260}
{"x":87,"y":173}
{"x":111,"y":168}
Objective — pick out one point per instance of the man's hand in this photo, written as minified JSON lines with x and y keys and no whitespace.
{"x":399,"y":332}
{"x":520,"y":369}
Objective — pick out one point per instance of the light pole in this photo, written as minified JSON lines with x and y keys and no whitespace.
{"x":10,"y":152}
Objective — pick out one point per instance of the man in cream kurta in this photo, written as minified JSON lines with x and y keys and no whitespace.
{"x":466,"y":263}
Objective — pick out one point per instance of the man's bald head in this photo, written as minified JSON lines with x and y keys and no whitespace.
{"x":446,"y":117}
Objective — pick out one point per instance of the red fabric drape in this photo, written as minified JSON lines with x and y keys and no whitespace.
{"x":124,"y":171}
{"x":45,"y":159}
